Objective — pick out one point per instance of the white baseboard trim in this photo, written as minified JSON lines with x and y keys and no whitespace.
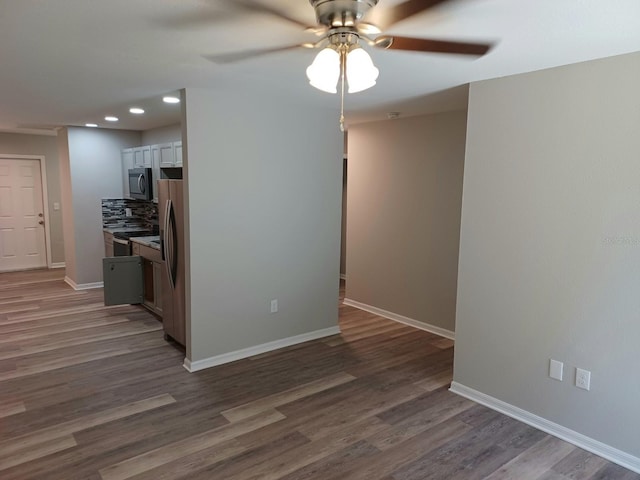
{"x":83,"y":286}
{"x":258,"y":349}
{"x":343,"y":276}
{"x":587,"y":443}
{"x":58,"y":265}
{"x":401,"y":319}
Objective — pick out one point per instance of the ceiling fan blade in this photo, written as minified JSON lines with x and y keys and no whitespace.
{"x":256,"y":6}
{"x":197,"y":20}
{"x":220,"y":11}
{"x":431,"y":45}
{"x":247,"y":54}
{"x":386,"y":17}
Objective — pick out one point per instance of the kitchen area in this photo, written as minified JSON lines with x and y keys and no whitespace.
{"x":144,"y":236}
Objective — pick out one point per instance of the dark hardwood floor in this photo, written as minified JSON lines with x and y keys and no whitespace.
{"x":94,"y":392}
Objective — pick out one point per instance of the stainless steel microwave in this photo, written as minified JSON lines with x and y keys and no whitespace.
{"x":140,"y":184}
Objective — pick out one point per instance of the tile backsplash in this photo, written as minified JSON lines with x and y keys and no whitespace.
{"x":143,"y":214}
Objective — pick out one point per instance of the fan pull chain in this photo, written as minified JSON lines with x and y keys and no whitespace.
{"x":343,"y":62}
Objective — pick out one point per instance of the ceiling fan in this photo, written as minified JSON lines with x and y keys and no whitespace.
{"x":348,"y":22}
{"x":342,"y":25}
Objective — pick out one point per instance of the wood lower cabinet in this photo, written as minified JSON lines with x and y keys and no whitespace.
{"x":152,"y":266}
{"x":108,"y":244}
{"x":149,"y":284}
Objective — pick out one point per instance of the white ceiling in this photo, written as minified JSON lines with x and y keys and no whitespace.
{"x":68,"y":62}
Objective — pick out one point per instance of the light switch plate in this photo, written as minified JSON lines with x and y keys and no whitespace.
{"x":555,"y":369}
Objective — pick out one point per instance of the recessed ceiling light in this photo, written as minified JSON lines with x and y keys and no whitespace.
{"x":91,"y":125}
{"x":136,"y":110}
{"x":111,"y":119}
{"x":170,"y":99}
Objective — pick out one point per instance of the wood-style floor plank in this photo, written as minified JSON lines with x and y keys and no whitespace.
{"x":534,"y":461}
{"x":35,"y":451}
{"x":72,"y":426}
{"x":253,"y":408}
{"x":308,"y":453}
{"x":95,"y":393}
{"x":11,"y":408}
{"x":174,"y":451}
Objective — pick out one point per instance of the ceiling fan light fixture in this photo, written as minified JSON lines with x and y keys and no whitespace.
{"x":324,"y":72}
{"x":361,"y":72}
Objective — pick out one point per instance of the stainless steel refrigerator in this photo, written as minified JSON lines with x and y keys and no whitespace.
{"x":171,"y":216}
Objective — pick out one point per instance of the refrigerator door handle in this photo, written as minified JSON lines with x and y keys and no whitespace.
{"x":166,"y":251}
{"x":174,"y":243}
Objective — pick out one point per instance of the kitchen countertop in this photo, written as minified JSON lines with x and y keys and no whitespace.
{"x":122,"y":229}
{"x":146,"y":241}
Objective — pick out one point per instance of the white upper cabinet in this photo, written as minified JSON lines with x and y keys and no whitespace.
{"x":155,"y":170}
{"x":142,"y":157}
{"x":165,"y":152}
{"x":177,"y":148}
{"x":156,"y":157}
{"x":127,"y":163}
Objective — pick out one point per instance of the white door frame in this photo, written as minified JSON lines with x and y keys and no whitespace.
{"x":45,"y":196}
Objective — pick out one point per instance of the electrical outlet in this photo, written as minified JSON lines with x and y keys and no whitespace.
{"x":583,"y":378}
{"x":274,"y":305}
{"x":555,"y":369}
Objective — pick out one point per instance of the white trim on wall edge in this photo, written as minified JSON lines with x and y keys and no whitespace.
{"x":258,"y":349}
{"x":83,"y":286}
{"x":58,"y":265}
{"x":587,"y":443}
{"x":443,"y":332}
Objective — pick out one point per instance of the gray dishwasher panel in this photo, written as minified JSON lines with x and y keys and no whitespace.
{"x":123,"y":280}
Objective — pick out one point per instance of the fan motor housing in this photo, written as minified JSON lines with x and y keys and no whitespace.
{"x":341,"y":13}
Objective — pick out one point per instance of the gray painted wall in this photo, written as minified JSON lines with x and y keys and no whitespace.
{"x":47,"y":146}
{"x":264,"y":195}
{"x":94,"y":167}
{"x":550,"y":245}
{"x":403,"y":215}
{"x":171,"y":133}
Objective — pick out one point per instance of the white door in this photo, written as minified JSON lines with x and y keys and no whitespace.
{"x":22,"y":241}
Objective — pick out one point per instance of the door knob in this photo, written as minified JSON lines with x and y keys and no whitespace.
{"x":41,"y":222}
